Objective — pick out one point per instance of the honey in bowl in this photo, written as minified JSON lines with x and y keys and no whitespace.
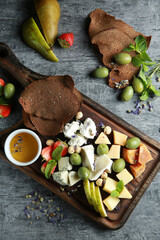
{"x":23,"y":147}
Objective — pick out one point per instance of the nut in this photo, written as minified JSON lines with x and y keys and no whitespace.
{"x":49,"y":142}
{"x":104,"y":175}
{"x":107,"y":130}
{"x":79,"y":115}
{"x":78,"y":149}
{"x":99,"y":182}
{"x":71,"y":149}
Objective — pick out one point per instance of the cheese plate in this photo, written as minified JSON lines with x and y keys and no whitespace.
{"x":77,"y":199}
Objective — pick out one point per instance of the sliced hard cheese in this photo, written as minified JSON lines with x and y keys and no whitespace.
{"x":119,"y":138}
{"x":64,"y":164}
{"x":125,"y":176}
{"x":114,"y":152}
{"x":144,"y":154}
{"x":110,"y":185}
{"x":137,"y":169}
{"x":102,"y":139}
{"x":87,"y":154}
{"x":125,"y":194}
{"x":61,"y":177}
{"x":111,"y":202}
{"x":102,"y":163}
{"x":73,"y":178}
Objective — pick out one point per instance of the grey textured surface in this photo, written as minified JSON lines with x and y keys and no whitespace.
{"x":79,"y":61}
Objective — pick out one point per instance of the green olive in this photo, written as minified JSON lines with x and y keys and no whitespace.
{"x":127,"y":93}
{"x":118,"y":165}
{"x":137,"y":85}
{"x":133,"y":143}
{"x":100,"y":72}
{"x":75,"y":159}
{"x":123,"y":58}
{"x":102,"y":149}
{"x":9,"y":90}
{"x":83,"y":173}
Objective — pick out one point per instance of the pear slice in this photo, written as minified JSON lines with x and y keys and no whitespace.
{"x":87,"y":190}
{"x":93,"y":196}
{"x":33,"y":38}
{"x":99,"y":201}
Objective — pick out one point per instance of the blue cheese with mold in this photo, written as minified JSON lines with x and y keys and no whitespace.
{"x":64,"y":164}
{"x":61,"y":177}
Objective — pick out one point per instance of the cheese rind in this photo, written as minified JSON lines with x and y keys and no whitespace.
{"x":111,"y":202}
{"x":110,"y":185}
{"x":102,"y":139}
{"x":119,"y":138}
{"x":125,"y":176}
{"x":125,"y":194}
{"x":114,"y":151}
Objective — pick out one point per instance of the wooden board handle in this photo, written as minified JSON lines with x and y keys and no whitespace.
{"x":10,"y":63}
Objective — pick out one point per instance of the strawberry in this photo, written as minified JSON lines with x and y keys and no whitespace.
{"x":63,"y":144}
{"x":47,"y":153}
{"x":5,"y":110}
{"x":43,"y":167}
{"x":66,"y":40}
{"x":2,"y":83}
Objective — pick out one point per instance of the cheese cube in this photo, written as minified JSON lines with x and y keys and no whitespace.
{"x":125,"y":194}
{"x":110,"y":185}
{"x":111,"y":202}
{"x":73,"y":178}
{"x":102,"y":139}
{"x":61,"y":177}
{"x":64,"y":164}
{"x":125,"y":176}
{"x":87,"y":154}
{"x":114,"y":152}
{"x":119,"y":138}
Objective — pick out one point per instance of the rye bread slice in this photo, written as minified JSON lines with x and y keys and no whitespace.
{"x":54,"y":98}
{"x":46,"y":127}
{"x":101,"y":21}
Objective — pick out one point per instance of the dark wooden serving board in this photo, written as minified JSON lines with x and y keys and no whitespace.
{"x":137,"y":187}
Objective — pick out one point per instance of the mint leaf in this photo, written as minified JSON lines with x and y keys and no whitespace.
{"x":48,"y":170}
{"x":150,"y":63}
{"x":145,"y":57}
{"x":4,"y":101}
{"x":154,"y":90}
{"x":145,"y":68}
{"x":130,"y":48}
{"x":141,"y":43}
{"x":120,"y":186}
{"x":114,"y":193}
{"x":145,"y":95}
{"x":137,"y":61}
{"x":56,"y":154}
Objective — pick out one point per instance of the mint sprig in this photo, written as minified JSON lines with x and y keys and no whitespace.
{"x":48,"y":170}
{"x":144,"y":61}
{"x":56,"y":154}
{"x":119,"y":188}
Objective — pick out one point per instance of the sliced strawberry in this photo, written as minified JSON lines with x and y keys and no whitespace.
{"x":47,"y":153}
{"x":64,"y":145}
{"x":66,"y":40}
{"x":5,"y":110}
{"x":2,"y":83}
{"x":43,"y":167}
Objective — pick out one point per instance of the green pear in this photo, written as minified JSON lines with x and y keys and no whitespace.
{"x":87,"y":190}
{"x":33,"y":38}
{"x":48,"y":12}
{"x":93,"y":196}
{"x":99,"y":201}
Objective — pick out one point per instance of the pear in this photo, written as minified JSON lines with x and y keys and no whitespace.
{"x":33,"y":38}
{"x":100,"y":204}
{"x":87,"y":190}
{"x":48,"y":12}
{"x":93,"y":196}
